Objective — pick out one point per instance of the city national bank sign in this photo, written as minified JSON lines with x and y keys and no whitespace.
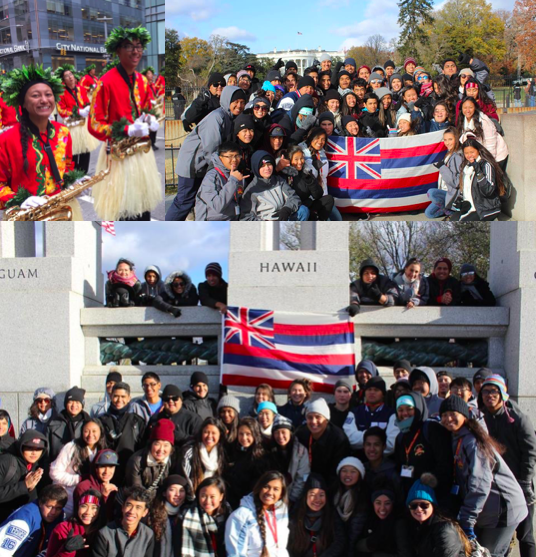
{"x":79,"y":48}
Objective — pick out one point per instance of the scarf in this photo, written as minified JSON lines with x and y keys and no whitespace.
{"x":426,"y":89}
{"x":471,"y":288}
{"x":114,"y":278}
{"x":405,"y":425}
{"x":413,"y":284}
{"x":43,"y":418}
{"x":172,"y":510}
{"x":72,"y":421}
{"x":118,"y":412}
{"x":313,"y":521}
{"x":268,"y":431}
{"x":345,"y":504}
{"x":152,"y":462}
{"x":197,"y":528}
{"x":209,"y":460}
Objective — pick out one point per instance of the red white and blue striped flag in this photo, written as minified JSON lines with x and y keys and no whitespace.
{"x":262,"y":346}
{"x":386,"y":175}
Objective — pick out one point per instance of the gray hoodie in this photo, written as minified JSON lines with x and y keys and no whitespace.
{"x":206,"y":137}
{"x":433,"y":401}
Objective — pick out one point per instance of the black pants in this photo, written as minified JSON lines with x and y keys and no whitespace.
{"x":525,"y":535}
{"x":143,"y":216}
{"x":81,"y":162}
{"x":152,"y":135}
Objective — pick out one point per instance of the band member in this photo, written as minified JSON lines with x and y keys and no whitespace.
{"x":149,"y":75}
{"x":90,"y":80}
{"x":8,"y":115}
{"x":73,"y":107}
{"x":120,"y":110}
{"x":161,"y":83}
{"x":36,"y":153}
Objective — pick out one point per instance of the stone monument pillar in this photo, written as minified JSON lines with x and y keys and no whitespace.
{"x":40,"y":302}
{"x":513,"y":281}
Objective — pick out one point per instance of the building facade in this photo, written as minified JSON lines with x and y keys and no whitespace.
{"x":56,"y":32}
{"x":303,"y":58}
{"x":155,"y":21}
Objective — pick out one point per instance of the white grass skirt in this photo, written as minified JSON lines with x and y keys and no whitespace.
{"x":83,"y":141}
{"x":133,"y":186}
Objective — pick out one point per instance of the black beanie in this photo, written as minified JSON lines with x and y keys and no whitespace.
{"x":306,"y":81}
{"x":332,"y":94}
{"x":76,"y":394}
{"x":326,"y":116}
{"x":376,"y":382}
{"x":171,"y":390}
{"x":238,"y":94}
{"x":482,"y":373}
{"x":404,"y":364}
{"x":114,"y":376}
{"x":291,"y":64}
{"x":343,"y":72}
{"x":198,"y":377}
{"x":315,"y":481}
{"x":388,"y":64}
{"x":454,"y":404}
{"x":174,"y":479}
{"x":406,"y":77}
{"x":347,"y":119}
{"x":243,"y":122}
{"x":216,"y":78}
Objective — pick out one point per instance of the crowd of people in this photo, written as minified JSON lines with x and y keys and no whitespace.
{"x":256,"y":150}
{"x":120,"y":110}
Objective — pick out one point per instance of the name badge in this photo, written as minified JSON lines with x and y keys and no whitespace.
{"x":407,"y":471}
{"x":455,"y":489}
{"x":237,"y":210}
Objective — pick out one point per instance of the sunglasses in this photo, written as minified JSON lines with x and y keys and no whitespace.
{"x":423,"y":505}
{"x":262,"y":108}
{"x":219,"y":84}
{"x":421,"y":77}
{"x":178,"y":285}
{"x":39,"y":400}
{"x":171,"y":398}
{"x":374,"y":81}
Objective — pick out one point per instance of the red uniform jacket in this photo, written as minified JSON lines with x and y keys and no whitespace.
{"x":112,"y":101}
{"x":67,"y":101}
{"x":39,"y":180}
{"x":160,"y":86}
{"x":8,"y":115}
{"x":87,"y":82}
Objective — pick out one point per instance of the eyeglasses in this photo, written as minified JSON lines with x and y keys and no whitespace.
{"x":261,"y":108}
{"x":490,"y":392}
{"x":422,"y":505}
{"x":421,"y":77}
{"x":463,"y":76}
{"x":219,"y":84}
{"x":231,"y":157}
{"x":149,"y":385}
{"x":171,"y":398}
{"x":131,"y":48}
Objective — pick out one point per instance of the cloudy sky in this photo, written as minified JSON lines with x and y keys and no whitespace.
{"x":268,"y":25}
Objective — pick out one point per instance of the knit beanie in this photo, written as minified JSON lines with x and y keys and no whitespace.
{"x":409,"y":61}
{"x":467,"y":268}
{"x":347,"y":119}
{"x":350,"y":61}
{"x":389,"y":64}
{"x":198,"y":377}
{"x":405,"y":400}
{"x":213,"y":268}
{"x":405,"y":116}
{"x":376,"y":382}
{"x":281,"y":422}
{"x":482,"y":373}
{"x":291,"y":64}
{"x":363,"y":66}
{"x":216,"y":78}
{"x":396,"y":76}
{"x":174,"y":479}
{"x":243,"y":122}
{"x":344,"y":383}
{"x":418,"y":70}
{"x":382,"y":92}
{"x":114,"y":376}
{"x":467,"y":71}
{"x":444,"y":260}
{"x":319,"y":406}
{"x":229,"y":401}
{"x":306,"y":81}
{"x":352,"y":461}
{"x":497,"y":381}
{"x":325,"y":56}
{"x":375,"y":75}
{"x":171,"y":390}
{"x":315,"y":481}
{"x":403,"y":364}
{"x":406,"y":77}
{"x":267,"y":405}
{"x":76,"y":394}
{"x":383,"y":491}
{"x":273,"y":75}
{"x":423,"y":489}
{"x":267,"y":86}
{"x":332,"y":94}
{"x":454,"y":404}
{"x":243,"y":73}
{"x":238,"y":94}
{"x":163,"y":431}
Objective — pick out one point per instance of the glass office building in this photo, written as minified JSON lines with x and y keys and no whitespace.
{"x":56,"y":32}
{"x":155,"y":21}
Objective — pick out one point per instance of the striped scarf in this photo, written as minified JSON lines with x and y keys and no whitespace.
{"x":196,"y":529}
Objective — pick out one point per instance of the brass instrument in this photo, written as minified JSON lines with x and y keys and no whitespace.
{"x":74,"y":122}
{"x":56,"y":207}
{"x":131,"y":145}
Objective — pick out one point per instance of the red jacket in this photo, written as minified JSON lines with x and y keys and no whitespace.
{"x":160,"y":85}
{"x":58,"y":537}
{"x":39,"y":180}
{"x":88,"y":82}
{"x":8,"y":115}
{"x":67,"y":102}
{"x":111,"y":101}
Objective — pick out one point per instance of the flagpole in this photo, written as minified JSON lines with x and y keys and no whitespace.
{"x":222,"y":338}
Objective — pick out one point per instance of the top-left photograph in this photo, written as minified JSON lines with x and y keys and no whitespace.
{"x":82,"y":110}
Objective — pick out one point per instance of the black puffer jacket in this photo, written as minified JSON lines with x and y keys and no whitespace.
{"x":361,"y":293}
{"x":187,"y":425}
{"x":209,"y":295}
{"x":149,"y":292}
{"x":370,"y":122}
{"x":13,"y":470}
{"x":435,"y":537}
{"x":63,"y":430}
{"x":204,"y":104}
{"x":203,"y":407}
{"x":169,"y":299}
{"x":482,"y":287}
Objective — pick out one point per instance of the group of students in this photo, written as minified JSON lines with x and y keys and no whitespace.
{"x":257,"y":151}
{"x":434,"y":465}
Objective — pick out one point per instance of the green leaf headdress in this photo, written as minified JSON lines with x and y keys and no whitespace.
{"x":120,"y":34}
{"x":148,"y":69}
{"x":89,"y":68}
{"x":66,"y":68}
{"x":111,"y":64}
{"x":163,"y":71}
{"x":19,"y":80}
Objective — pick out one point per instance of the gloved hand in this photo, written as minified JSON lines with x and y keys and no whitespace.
{"x":84,"y":112}
{"x":338,"y":67}
{"x":290,"y":171}
{"x":303,"y":213}
{"x":438,"y":164}
{"x":176,"y":312}
{"x":33,"y":202}
{"x":279,"y":64}
{"x":464,"y":58}
{"x":308,"y":122}
{"x":420,"y":102}
{"x":369,"y":131}
{"x":411,"y":105}
{"x":469,"y":532}
{"x":374,"y":293}
{"x":284,"y":213}
{"x":73,"y":543}
{"x":152,"y":122}
{"x":316,"y":63}
{"x":353,"y":309}
{"x":528,"y":492}
{"x":138,"y":129}
{"x":187,"y":127}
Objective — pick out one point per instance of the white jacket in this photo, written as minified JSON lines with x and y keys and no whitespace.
{"x":356,"y":437}
{"x":492,"y":140}
{"x":243,"y":536}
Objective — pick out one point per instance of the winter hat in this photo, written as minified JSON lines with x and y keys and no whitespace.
{"x":114,"y":376}
{"x":291,"y":64}
{"x":326,"y":116}
{"x":405,"y":400}
{"x":277,"y":132}
{"x":37,"y":441}
{"x":280,"y":88}
{"x":281,"y":422}
{"x":237,"y":95}
{"x":319,"y":406}
{"x":76,"y":394}
{"x":325,"y":56}
{"x":444,"y":373}
{"x":389,"y":64}
{"x":273,"y":75}
{"x":404,"y":364}
{"x":350,"y":61}
{"x":396,"y":76}
{"x":482,"y":373}
{"x":332,"y":94}
{"x":258,"y":159}
{"x":267,"y":405}
{"x":44,"y":392}
{"x":467,"y":268}
{"x":497,"y":381}
{"x":174,"y":479}
{"x":444,"y":260}
{"x":229,"y":401}
{"x":267,"y":86}
{"x":406,"y":77}
{"x":375,"y":75}
{"x":405,"y":116}
{"x":214,"y":268}
{"x":467,"y":71}
{"x":344,"y":383}
{"x":347,"y":119}
{"x":352,"y":461}
{"x":243,"y":73}
{"x":243,"y":122}
{"x":418,"y":70}
{"x":343,"y":72}
{"x":216,"y":78}
{"x":363,"y":66}
{"x":251,"y":67}
{"x":409,"y":61}
{"x":171,"y":390}
{"x":423,"y":489}
{"x":106,"y":457}
{"x":163,"y":431}
{"x":382,"y":92}
{"x":306,"y":110}
{"x":198,"y":377}
{"x":315,"y":481}
{"x":383,"y":491}
{"x":454,"y":404}
{"x":306,"y":81}
{"x":376,"y":382}
{"x":259,"y":100}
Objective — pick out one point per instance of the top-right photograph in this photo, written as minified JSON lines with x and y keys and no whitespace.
{"x":408,"y":110}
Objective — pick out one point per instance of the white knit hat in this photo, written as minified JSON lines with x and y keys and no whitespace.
{"x":319,"y":406}
{"x":352,"y":461}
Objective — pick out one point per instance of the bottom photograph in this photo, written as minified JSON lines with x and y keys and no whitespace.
{"x":267,"y":389}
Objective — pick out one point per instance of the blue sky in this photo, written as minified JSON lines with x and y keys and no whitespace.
{"x":330,"y":24}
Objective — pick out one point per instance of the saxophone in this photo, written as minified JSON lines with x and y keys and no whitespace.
{"x":71,"y":122}
{"x":131,"y":145}
{"x":56,"y":207}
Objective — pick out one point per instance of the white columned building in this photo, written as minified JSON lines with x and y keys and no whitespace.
{"x":303,"y":58}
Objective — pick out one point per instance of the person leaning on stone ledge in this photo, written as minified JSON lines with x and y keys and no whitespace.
{"x":178,"y":292}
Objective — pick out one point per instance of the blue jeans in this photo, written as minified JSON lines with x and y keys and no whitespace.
{"x":185,"y":199}
{"x":335,"y":215}
{"x":517,"y":102}
{"x":497,"y":540}
{"x":436,"y":209}
{"x":301,"y":214}
{"x":532,"y":101}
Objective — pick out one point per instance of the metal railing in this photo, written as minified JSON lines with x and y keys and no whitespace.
{"x":171,"y":160}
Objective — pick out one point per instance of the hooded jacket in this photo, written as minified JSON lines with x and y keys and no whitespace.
{"x":433,"y":401}
{"x":203,"y":407}
{"x":288,"y":122}
{"x":6,"y":440}
{"x":13,"y":470}
{"x":360,"y":292}
{"x":410,"y":292}
{"x":211,"y":295}
{"x":243,"y":536}
{"x":217,"y":197}
{"x":63,"y":430}
{"x":482,"y":287}
{"x":168,"y":298}
{"x":358,"y":397}
{"x":149,"y":292}
{"x":101,"y":407}
{"x":438,"y":288}
{"x":206,"y":137}
{"x":435,"y":536}
{"x":204,"y":104}
{"x":265,"y":198}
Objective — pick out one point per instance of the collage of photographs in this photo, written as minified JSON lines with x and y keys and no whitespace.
{"x":349,"y":373}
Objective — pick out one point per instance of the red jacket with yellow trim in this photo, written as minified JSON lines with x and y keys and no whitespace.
{"x":67,"y":102}
{"x":8,"y":115}
{"x":39,"y":180}
{"x":87,"y":82}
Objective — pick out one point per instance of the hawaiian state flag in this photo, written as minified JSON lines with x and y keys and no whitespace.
{"x":262,"y":346}
{"x":385,"y":175}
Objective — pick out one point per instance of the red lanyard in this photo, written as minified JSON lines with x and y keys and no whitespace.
{"x":311,"y":450}
{"x":408,"y":450}
{"x":313,"y":539}
{"x":214,"y":544}
{"x":272,"y":526}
